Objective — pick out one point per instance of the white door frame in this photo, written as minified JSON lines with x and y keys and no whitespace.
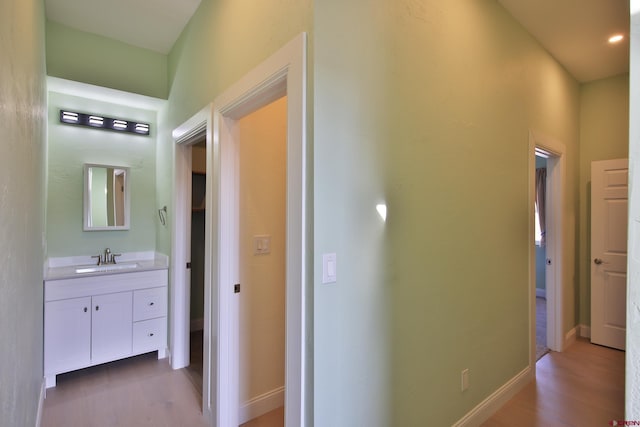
{"x":185,"y":136}
{"x":555,"y":239}
{"x":284,"y":73}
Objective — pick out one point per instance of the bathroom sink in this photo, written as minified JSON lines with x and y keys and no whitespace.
{"x":106,"y":268}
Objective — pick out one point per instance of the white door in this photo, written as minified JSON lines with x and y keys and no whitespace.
{"x":609,"y":193}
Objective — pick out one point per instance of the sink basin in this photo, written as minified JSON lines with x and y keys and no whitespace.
{"x":106,"y":267}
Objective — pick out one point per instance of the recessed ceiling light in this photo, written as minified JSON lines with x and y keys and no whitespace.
{"x":616,"y":38}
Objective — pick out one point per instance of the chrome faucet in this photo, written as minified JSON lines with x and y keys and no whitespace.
{"x":107,"y":258}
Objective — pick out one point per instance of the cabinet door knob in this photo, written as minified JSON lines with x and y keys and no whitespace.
{"x":151,"y":334}
{"x":97,"y":307}
{"x":151,"y":303}
{"x":85,"y":309}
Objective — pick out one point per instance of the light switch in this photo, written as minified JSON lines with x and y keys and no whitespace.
{"x":261,"y":245}
{"x":329,"y":268}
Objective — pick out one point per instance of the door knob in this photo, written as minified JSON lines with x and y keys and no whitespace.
{"x":598,"y":261}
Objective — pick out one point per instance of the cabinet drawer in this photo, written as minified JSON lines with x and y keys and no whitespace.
{"x":149,"y":303}
{"x":149,"y":335}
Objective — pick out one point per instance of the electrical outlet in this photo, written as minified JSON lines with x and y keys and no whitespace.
{"x":464,"y":380}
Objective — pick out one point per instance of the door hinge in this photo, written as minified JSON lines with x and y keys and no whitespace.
{"x":236,"y":288}
{"x":188,"y":265}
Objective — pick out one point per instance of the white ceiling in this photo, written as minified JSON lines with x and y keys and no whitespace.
{"x":150,"y":24}
{"x":575,"y":32}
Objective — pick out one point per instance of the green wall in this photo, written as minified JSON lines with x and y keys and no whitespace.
{"x":90,"y":58}
{"x":69,"y":148}
{"x":223,"y":41}
{"x":427,"y":106}
{"x":604,"y":134}
{"x":22,"y":170}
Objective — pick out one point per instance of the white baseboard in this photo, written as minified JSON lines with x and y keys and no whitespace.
{"x":541,"y":293}
{"x":584,"y":331}
{"x":495,"y":401}
{"x":197,"y":324}
{"x":570,"y":337}
{"x":262,"y":404}
{"x":43,"y":391}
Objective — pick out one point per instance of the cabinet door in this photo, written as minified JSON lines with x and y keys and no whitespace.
{"x":67,"y":335}
{"x":111,"y":327}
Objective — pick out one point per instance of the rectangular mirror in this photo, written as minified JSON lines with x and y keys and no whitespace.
{"x":106,"y":197}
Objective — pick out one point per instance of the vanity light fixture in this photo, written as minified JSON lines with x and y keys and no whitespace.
{"x":101,"y":122}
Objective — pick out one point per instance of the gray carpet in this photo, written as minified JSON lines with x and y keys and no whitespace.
{"x":541,"y":328}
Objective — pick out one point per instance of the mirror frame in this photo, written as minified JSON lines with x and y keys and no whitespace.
{"x":87,"y":203}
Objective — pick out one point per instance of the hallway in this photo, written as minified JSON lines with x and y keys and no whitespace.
{"x":580,"y":387}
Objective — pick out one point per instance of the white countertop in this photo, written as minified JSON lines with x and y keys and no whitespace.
{"x":65,"y":267}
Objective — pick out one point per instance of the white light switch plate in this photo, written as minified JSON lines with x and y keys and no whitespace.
{"x":261,"y":245}
{"x":329,"y":268}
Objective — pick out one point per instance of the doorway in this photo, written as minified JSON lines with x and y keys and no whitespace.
{"x":283,"y":73}
{"x":553,"y":153}
{"x":541,"y":256}
{"x":197,"y":263}
{"x":261,"y":174}
{"x":190,"y":202}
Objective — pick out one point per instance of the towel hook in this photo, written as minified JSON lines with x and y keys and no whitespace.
{"x":162,"y":213}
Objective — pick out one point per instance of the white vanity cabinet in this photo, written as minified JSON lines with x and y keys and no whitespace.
{"x":96,"y":319}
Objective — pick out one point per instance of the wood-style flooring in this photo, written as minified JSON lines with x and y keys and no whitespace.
{"x":580,"y":387}
{"x":138,"y":391}
{"x":541,"y":327}
{"x":194,"y":370}
{"x":135,"y":392}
